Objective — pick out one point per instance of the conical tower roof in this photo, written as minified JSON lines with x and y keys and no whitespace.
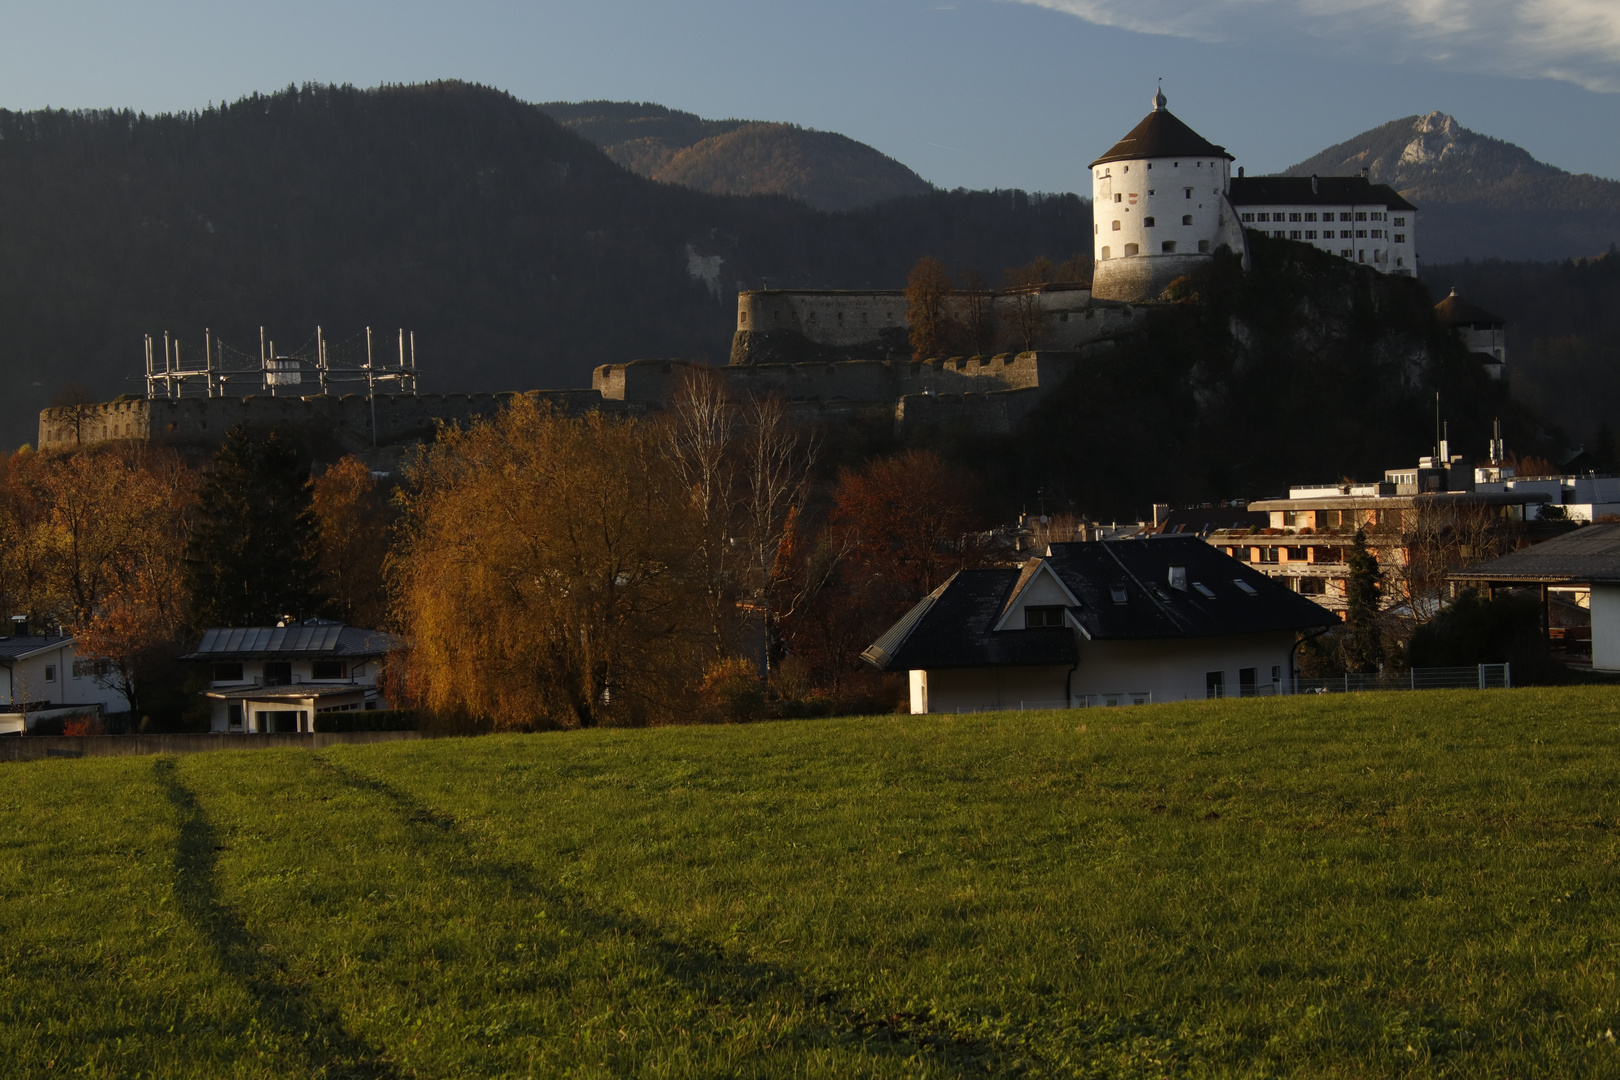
{"x":1456,"y":311}
{"x":1160,"y":134}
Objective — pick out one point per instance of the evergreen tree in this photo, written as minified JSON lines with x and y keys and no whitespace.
{"x":254,"y":553}
{"x":1363,"y":644}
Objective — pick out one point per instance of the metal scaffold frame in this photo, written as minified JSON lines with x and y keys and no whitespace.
{"x":230,"y":372}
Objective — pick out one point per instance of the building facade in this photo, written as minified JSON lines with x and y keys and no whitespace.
{"x":278,"y":678}
{"x":1347,"y":216}
{"x":1483,"y":334}
{"x":1159,"y":207}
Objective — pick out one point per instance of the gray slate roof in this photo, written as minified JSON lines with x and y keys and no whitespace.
{"x":954,"y":626}
{"x":19,"y":646}
{"x":273,"y":642}
{"x":1330,"y":191}
{"x":1588,"y":556}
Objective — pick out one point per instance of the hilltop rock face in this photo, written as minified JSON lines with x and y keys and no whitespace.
{"x":1479,"y":197}
{"x":740,"y":157}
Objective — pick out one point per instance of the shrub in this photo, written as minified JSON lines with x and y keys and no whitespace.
{"x":367,"y":720}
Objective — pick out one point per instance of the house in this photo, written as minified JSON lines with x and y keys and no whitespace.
{"x":1107,"y":622}
{"x":1483,"y":334}
{"x":1583,"y":565}
{"x":1348,"y":216}
{"x":277,"y":678}
{"x":41,"y":678}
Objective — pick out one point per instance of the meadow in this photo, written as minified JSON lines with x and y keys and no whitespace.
{"x":1417,"y":884}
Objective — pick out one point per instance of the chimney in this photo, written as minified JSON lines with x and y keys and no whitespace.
{"x":1313,"y":183}
{"x":1161,"y":513}
{"x":1240,"y":170}
{"x":19,"y":626}
{"x":1364,"y":171}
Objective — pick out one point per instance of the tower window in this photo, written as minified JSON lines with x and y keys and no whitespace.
{"x":1118,"y":197}
{"x":1186,"y":219}
{"x":1116,"y":226}
{"x":1131,"y":249}
{"x":1203,"y":246}
{"x":1107,"y":253}
{"x":1188,"y":191}
{"x":1168,"y":247}
{"x":1147,"y":223}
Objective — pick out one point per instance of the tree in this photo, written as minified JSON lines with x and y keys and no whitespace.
{"x":928,"y":288}
{"x":79,"y":402}
{"x":255,"y":553}
{"x":354,"y":521}
{"x":701,"y":433}
{"x":1023,"y":309}
{"x":777,"y":458}
{"x":979,"y":307}
{"x":547,"y":574}
{"x":1363,"y":642}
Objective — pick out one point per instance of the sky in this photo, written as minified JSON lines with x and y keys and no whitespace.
{"x":969,"y":93}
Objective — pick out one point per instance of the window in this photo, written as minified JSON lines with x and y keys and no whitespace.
{"x":1037,"y":617}
{"x":1361,"y":234}
{"x":233,"y":717}
{"x":1246,"y":682}
{"x":1268,"y":554}
{"x":744,"y":318}
{"x":1107,"y":252}
{"x":1276,"y":673}
{"x":1248,"y":217}
{"x":1263,"y":217}
{"x":1361,"y":256}
{"x":1293,"y":234}
{"x":227,"y":671}
{"x":1131,"y":249}
{"x":1345,"y":253}
{"x":1147,"y":223}
{"x":1203,"y":245}
{"x":1310,"y":217}
{"x":277,"y":673}
{"x":1118,"y":593}
{"x":1168,"y":247}
{"x":1116,"y":226}
{"x":94,"y":668}
{"x":1214,"y":684}
{"x":1244,"y":587}
{"x":1346,"y":217}
{"x":1327,"y":234}
{"x":1400,"y":221}
{"x":1204,"y":590}
{"x":1313,"y":586}
{"x":1186,"y":219}
{"x":1402,"y":262}
{"x":1297,"y":554}
{"x":1361,"y":215}
{"x":50,"y":672}
{"x":327,"y":669}
{"x":1188,"y":191}
{"x":1294,"y":217}
{"x":1118,"y":197}
{"x":1378,"y":234}
{"x":1310,"y":234}
{"x":1400,"y":238}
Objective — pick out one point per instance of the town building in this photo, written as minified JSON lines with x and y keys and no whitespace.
{"x":1108,"y":622}
{"x":42,"y":678}
{"x":1159,"y":208}
{"x":1348,"y":216}
{"x":278,"y":678}
{"x":1484,"y":334}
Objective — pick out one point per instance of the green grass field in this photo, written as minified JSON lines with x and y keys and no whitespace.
{"x":1374,"y":885}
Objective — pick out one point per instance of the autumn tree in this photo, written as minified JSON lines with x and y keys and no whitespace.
{"x":928,"y":290}
{"x":354,"y":519}
{"x":701,"y":433}
{"x":777,"y":456}
{"x":547,"y":573}
{"x":254,"y":554}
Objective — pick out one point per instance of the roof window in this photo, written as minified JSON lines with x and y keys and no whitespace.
{"x":1247,"y":589}
{"x":1119,"y":594}
{"x":1178,"y":578}
{"x":1204,"y":590}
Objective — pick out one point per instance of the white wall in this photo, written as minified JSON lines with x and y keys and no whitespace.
{"x":1382,"y":252}
{"x":1606,"y":627}
{"x":26,"y":680}
{"x":1167,"y":191}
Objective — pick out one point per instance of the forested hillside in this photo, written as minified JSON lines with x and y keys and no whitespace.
{"x":520,"y":254}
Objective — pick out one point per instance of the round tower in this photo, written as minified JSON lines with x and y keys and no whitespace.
{"x":1158,"y":207}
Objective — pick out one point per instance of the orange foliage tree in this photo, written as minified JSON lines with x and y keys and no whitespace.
{"x":354,"y":520}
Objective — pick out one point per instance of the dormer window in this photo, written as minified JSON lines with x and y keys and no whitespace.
{"x":1177,"y":578}
{"x":1036,"y":618}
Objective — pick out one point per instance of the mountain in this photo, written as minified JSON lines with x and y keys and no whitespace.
{"x":1478,"y":197}
{"x":739,"y":157}
{"x":521,"y":254}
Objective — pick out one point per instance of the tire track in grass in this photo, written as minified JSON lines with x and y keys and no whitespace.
{"x":706,"y":971}
{"x":309,"y":1034}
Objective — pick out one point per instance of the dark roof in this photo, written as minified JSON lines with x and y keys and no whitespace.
{"x":1588,"y":556}
{"x":1330,"y":191}
{"x":19,"y":646}
{"x":264,"y":642}
{"x":1197,"y":522}
{"x":1456,"y":311}
{"x":955,"y":626}
{"x":290,"y":692}
{"x":1159,"y":135}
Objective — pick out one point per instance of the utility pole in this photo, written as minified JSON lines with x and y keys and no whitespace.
{"x":371,"y":388}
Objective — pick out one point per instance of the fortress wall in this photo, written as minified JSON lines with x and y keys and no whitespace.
{"x":840,"y":319}
{"x":997,"y":412}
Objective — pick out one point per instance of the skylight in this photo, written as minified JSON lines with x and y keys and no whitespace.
{"x":1119,"y":595}
{"x":1248,"y":590}
{"x":1207,"y":592}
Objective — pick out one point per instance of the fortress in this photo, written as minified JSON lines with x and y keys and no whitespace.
{"x":1164,"y":203}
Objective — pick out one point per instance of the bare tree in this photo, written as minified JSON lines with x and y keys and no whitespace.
{"x":1023,"y":308}
{"x":777,"y":456}
{"x":701,"y":432}
{"x":78,"y":402}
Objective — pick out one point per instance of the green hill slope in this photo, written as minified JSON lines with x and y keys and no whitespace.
{"x":740,"y":157}
{"x":520,"y":254}
{"x":1412,"y":884}
{"x":1479,"y":197}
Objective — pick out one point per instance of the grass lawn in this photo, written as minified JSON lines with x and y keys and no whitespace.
{"x":1371,"y":885}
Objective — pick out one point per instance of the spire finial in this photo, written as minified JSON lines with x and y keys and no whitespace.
{"x":1159,"y":100}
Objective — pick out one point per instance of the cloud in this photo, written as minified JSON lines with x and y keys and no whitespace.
{"x":1575,"y":41}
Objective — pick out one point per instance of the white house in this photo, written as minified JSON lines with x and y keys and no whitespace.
{"x":277,"y":678}
{"x":41,"y":678}
{"x":1348,"y":216}
{"x":1159,"y":207}
{"x":1586,"y":559}
{"x":1110,"y":622}
{"x":1483,"y":334}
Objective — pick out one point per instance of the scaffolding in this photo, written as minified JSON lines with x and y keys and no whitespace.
{"x":227,"y":372}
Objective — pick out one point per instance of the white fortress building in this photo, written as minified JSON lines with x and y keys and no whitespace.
{"x":1164,"y":201}
{"x":1159,"y":208}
